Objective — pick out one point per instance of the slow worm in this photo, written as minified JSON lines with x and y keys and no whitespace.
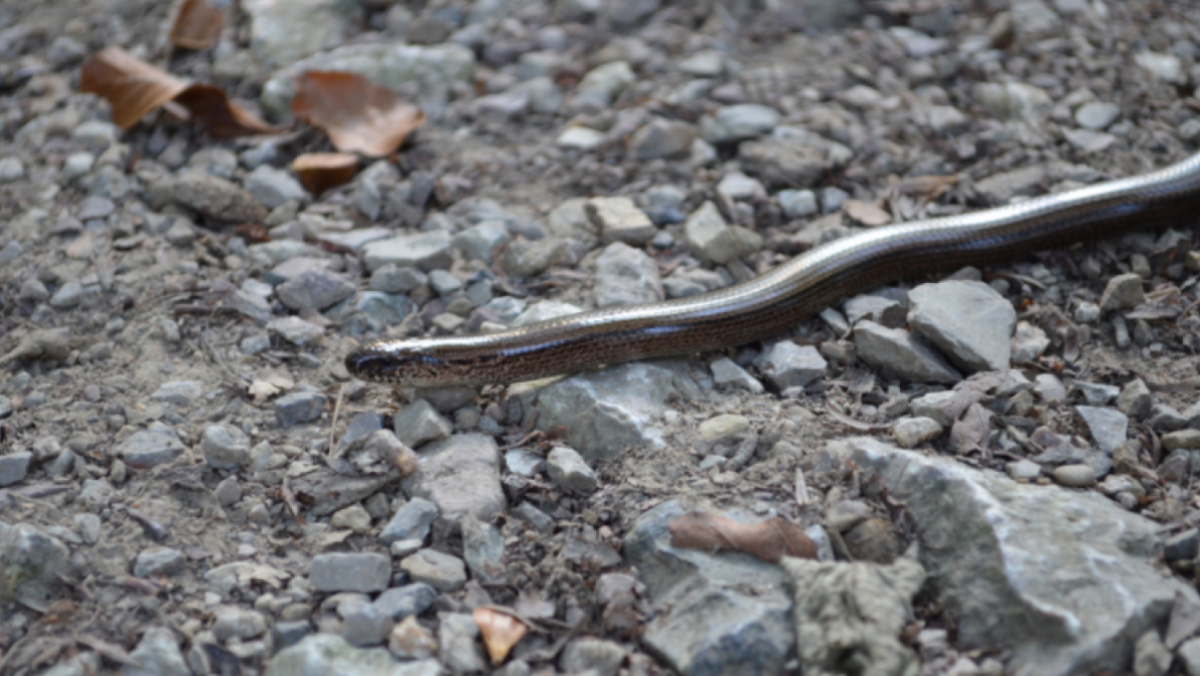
{"x":779,"y":300}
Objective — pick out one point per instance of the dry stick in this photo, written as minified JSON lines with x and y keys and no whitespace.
{"x":337,"y":409}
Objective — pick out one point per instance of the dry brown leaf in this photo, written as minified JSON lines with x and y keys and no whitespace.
{"x":501,"y":631}
{"x":197,"y":25}
{"x":768,"y":540}
{"x":357,"y":115}
{"x":134,"y":88}
{"x":223,"y":117}
{"x":321,"y":171}
{"x":866,"y":213}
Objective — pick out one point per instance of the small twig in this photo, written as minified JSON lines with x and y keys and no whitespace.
{"x":337,"y":409}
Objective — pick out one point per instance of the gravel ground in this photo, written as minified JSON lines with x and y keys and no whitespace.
{"x":993,"y":470}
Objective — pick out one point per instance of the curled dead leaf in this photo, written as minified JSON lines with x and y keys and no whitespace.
{"x":866,"y":213}
{"x":134,"y":88}
{"x":769,"y":540}
{"x":321,"y":171}
{"x":131,"y":86}
{"x":357,"y":115}
{"x":501,"y":631}
{"x":197,"y":25}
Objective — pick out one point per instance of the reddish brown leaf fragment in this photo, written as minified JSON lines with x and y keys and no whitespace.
{"x":358,"y":115}
{"x":224,"y":118}
{"x":321,"y":171}
{"x":197,"y":25}
{"x":768,"y":540}
{"x":131,"y":86}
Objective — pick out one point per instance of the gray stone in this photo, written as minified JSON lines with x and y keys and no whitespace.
{"x":324,"y":653}
{"x":797,"y":203}
{"x":1107,"y":426}
{"x":884,"y":311}
{"x":481,"y":242}
{"x":419,"y":423}
{"x":153,"y":446}
{"x":299,"y":407}
{"x":157,"y":654}
{"x":339,"y":572}
{"x":718,"y":613}
{"x":295,"y":330}
{"x":1189,"y":656}
{"x":524,"y":462}
{"x":910,"y":432}
{"x":14,"y":467}
{"x":396,"y":280}
{"x":731,"y":124}
{"x":626,"y":276}
{"x":11,"y":169}
{"x":1186,"y":439}
{"x":968,"y":321}
{"x":402,"y":602}
{"x":988,"y":555}
{"x":1028,"y":343}
{"x":1088,"y":140}
{"x":609,"y":411}
{"x":581,"y":138}
{"x":1097,"y":394}
{"x":31,"y":563}
{"x":225,"y":446}
{"x":783,"y":163}
{"x":1001,"y":188}
{"x":441,"y":571}
{"x":426,"y":250}
{"x":180,"y":393}
{"x":1166,"y":67}
{"x":710,"y":238}
{"x":603,"y":84}
{"x":661,"y":139}
{"x":461,"y":475}
{"x":250,"y":305}
{"x":1123,"y":292}
{"x":364,"y":624}
{"x":594,"y":655}
{"x":786,"y":364}
{"x":411,"y":522}
{"x":1075,"y":476}
{"x":90,"y":527}
{"x":483,"y":551}
{"x":315,"y":289}
{"x":1097,"y":114}
{"x":570,"y":472}
{"x":739,"y":187}
{"x":213,"y":197}
{"x":158,"y":561}
{"x":854,"y":613}
{"x":1150,"y":656}
{"x":1135,"y":400}
{"x":459,"y":648}
{"x":283,"y":34}
{"x":901,"y":354}
{"x":273,"y":187}
{"x":1025,"y":470}
{"x":726,"y":372}
{"x":1013,"y":101}
{"x":233,"y":622}
{"x":92,"y":208}
{"x":619,"y":220}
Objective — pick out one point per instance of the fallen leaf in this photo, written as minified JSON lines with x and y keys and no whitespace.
{"x":768,"y":540}
{"x":501,"y":631}
{"x":223,"y":117}
{"x":261,"y":391}
{"x":357,"y":115}
{"x":197,"y":25}
{"x":134,"y":88}
{"x":866,"y":213}
{"x":321,"y":171}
